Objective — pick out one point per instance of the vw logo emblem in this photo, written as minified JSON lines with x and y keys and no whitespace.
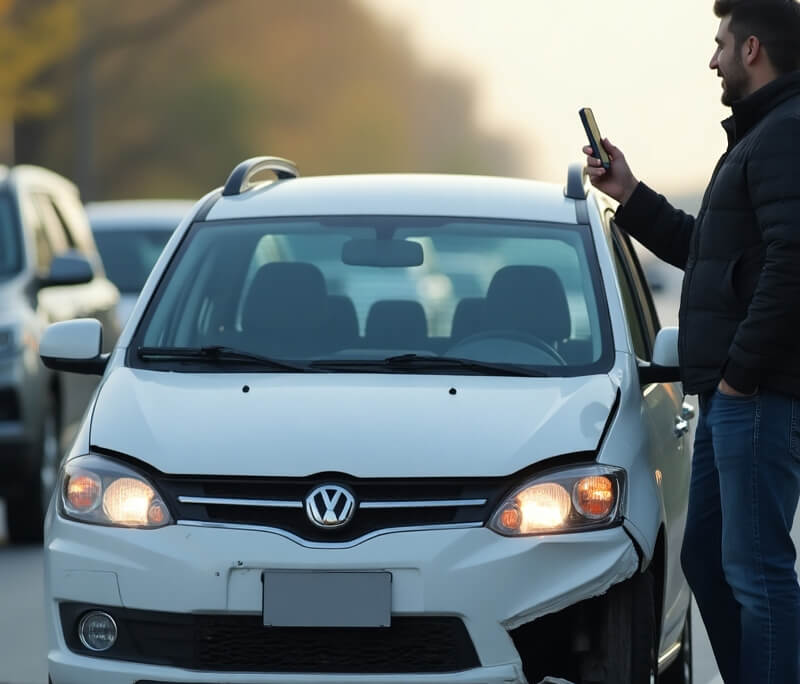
{"x":330,"y":506}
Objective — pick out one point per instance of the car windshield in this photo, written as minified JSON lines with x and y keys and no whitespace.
{"x":129,"y":255}
{"x":394,"y":294}
{"x":10,"y":257}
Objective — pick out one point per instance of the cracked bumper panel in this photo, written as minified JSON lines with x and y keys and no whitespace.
{"x":492,"y":583}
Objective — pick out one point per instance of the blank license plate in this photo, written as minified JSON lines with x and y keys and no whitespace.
{"x":309,"y":598}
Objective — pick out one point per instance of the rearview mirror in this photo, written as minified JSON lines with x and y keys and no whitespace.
{"x":74,"y":346}
{"x":391,"y":253}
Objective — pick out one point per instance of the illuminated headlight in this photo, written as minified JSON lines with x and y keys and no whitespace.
{"x":104,"y":492}
{"x":568,"y":500}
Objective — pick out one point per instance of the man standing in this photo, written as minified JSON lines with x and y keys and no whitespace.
{"x":739,"y":342}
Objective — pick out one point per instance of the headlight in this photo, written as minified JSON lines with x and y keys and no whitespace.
{"x":568,"y":500}
{"x":104,"y":492}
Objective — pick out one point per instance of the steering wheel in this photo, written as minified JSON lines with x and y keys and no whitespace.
{"x":517,"y":336}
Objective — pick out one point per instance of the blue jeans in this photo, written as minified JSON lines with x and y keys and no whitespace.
{"x":737,"y":554}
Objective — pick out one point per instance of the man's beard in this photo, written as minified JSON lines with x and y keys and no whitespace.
{"x":735,"y":84}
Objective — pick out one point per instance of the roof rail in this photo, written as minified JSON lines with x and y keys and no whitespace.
{"x":576,"y":182}
{"x":239,"y":180}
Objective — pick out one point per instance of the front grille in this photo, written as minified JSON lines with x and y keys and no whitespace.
{"x":381,"y":504}
{"x":242,"y":643}
{"x":9,"y":405}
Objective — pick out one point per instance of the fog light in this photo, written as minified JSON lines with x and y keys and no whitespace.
{"x":97,"y":631}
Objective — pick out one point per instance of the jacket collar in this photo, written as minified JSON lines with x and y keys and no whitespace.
{"x":748,"y":111}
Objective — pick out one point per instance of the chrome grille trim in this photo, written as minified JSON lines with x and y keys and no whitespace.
{"x":329,"y":545}
{"x":270,"y":503}
{"x":448,"y":503}
{"x":258,"y":503}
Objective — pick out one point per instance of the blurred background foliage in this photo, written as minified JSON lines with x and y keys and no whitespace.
{"x":161,"y":98}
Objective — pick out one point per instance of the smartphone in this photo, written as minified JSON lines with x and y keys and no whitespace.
{"x":595,"y":139}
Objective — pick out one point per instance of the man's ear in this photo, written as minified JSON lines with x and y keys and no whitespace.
{"x":752,"y":50}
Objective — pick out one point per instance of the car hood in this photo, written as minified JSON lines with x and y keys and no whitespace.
{"x":365,"y":425}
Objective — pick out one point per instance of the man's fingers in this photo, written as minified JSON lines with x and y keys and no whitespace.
{"x":615,"y":152}
{"x":595,"y":172}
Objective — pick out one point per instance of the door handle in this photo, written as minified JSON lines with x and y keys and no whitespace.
{"x":681,"y":427}
{"x":687,"y":411}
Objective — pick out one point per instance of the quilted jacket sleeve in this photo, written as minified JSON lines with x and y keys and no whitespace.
{"x":663,"y":229}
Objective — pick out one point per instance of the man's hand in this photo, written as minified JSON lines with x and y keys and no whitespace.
{"x":618,"y":181}
{"x":725,"y":388}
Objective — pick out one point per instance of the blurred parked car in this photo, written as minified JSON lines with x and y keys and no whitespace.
{"x":130,"y":235}
{"x":282,"y":482}
{"x":49,"y":271}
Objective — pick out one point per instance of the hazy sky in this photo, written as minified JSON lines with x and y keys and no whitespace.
{"x":641,"y":65}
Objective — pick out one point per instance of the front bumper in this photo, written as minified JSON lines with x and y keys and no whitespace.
{"x":492,"y":583}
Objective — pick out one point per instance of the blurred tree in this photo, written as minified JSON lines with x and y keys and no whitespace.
{"x":34,"y":35}
{"x":180,"y":92}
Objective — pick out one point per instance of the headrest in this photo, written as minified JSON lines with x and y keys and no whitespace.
{"x":467,"y":318}
{"x":342,"y":327}
{"x":396,"y":323}
{"x":530,"y":299}
{"x":286,"y":295}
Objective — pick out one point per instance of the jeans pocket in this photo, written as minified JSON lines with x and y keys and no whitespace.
{"x":735,"y":397}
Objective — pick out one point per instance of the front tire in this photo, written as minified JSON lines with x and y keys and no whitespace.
{"x":25,"y":509}
{"x":627,"y":647}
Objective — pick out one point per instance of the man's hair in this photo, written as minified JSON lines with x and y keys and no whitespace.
{"x":776,"y":24}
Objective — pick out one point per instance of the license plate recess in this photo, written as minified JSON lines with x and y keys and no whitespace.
{"x":315,"y":598}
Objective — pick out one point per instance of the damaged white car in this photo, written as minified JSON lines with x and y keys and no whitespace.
{"x":313,"y":458}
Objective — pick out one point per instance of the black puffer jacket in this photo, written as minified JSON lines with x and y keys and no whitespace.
{"x":740,"y":305}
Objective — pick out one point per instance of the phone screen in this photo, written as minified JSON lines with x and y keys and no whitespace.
{"x":595,"y":139}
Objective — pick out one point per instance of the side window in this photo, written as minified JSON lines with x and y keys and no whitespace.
{"x":42,"y":244}
{"x":65,"y":226}
{"x":57,"y":234}
{"x":633,"y":313}
{"x":639,"y":282}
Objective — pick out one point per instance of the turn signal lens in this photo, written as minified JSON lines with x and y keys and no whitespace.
{"x":594,"y":497}
{"x":83,"y":492}
{"x":511,"y":517}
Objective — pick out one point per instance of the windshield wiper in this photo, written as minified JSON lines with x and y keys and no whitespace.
{"x":422,"y":362}
{"x":218,"y":354}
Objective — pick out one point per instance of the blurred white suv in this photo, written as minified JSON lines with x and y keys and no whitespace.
{"x":274,"y":485}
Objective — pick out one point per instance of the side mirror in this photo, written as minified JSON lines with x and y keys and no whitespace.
{"x":665,"y":365}
{"x":70,"y":268}
{"x":74,"y":346}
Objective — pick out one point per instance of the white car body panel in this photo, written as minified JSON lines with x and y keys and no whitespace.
{"x":401,"y":195}
{"x":411,"y":427}
{"x":172,"y":569}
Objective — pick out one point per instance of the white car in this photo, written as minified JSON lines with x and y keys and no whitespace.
{"x":130,"y":235}
{"x":269,"y":490}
